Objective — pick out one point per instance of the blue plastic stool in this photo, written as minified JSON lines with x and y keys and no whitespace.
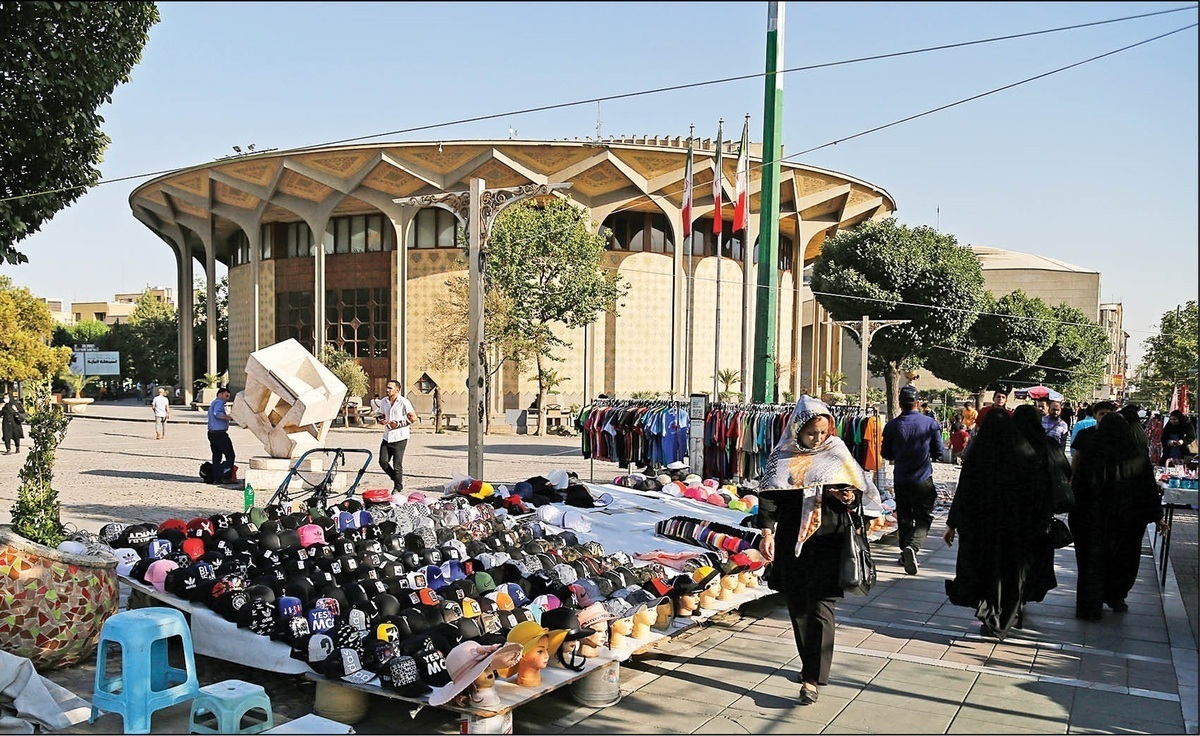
{"x":146,"y":682}
{"x":222,"y":706}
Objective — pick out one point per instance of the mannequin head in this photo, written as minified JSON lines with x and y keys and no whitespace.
{"x":642,"y":621}
{"x":589,"y":646}
{"x":618,"y":629}
{"x":748,"y":579}
{"x":529,"y":669}
{"x":686,"y":604}
{"x":730,"y":584}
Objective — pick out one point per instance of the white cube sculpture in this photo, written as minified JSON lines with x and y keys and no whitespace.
{"x":290,"y":399}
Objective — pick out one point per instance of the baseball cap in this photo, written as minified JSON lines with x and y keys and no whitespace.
{"x":909,"y":393}
{"x":404,"y":676}
{"x":345,"y":664}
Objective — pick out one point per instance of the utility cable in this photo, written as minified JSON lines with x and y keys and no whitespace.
{"x":657,"y":90}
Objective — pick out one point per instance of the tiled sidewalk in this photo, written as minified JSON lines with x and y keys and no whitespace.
{"x":908,"y":661}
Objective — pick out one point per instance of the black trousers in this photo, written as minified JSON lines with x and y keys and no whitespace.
{"x":813,"y":626}
{"x":222,"y":447}
{"x":914,"y":512}
{"x":391,"y":459}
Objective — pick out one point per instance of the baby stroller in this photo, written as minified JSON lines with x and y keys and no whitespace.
{"x":316,"y":491}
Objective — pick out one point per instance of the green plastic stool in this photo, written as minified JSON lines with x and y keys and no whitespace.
{"x":223,"y":706}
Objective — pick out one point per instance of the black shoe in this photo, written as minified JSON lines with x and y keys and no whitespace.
{"x":808,"y":695}
{"x":908,"y":558}
{"x":1119,"y":606}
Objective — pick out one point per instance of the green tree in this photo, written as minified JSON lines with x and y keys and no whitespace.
{"x":503,"y":340}
{"x":200,"y":326}
{"x":889,"y":271}
{"x":727,"y":377}
{"x":25,"y":329}
{"x":1007,"y":336}
{"x":150,"y":342}
{"x":62,"y":61}
{"x":91,"y":331}
{"x":1170,"y":356}
{"x":347,"y":369}
{"x":545,"y":260}
{"x":36,"y":514}
{"x":1077,"y":358}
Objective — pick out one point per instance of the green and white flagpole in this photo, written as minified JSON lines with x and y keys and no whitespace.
{"x":764,"y":388}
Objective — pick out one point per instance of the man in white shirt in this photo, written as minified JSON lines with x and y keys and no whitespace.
{"x":161,"y":406}
{"x":396,"y":414}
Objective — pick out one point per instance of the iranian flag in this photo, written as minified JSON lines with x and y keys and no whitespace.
{"x":741,"y":208}
{"x":687,"y":195}
{"x":717,"y":175}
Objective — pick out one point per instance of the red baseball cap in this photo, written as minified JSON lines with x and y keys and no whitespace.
{"x":176,"y":524}
{"x":193,"y":548}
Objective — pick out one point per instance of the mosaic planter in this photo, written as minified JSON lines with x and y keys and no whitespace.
{"x":52,"y":604}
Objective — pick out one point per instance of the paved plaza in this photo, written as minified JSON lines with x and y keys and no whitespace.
{"x":907,"y":661}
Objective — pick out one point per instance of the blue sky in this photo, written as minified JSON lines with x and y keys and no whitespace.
{"x":1095,"y":166}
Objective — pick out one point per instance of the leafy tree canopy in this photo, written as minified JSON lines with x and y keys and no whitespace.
{"x":1007,"y":335}
{"x":1170,"y":357}
{"x":25,"y":328}
{"x":1077,"y":359}
{"x":149,"y":343}
{"x":62,"y":61}
{"x":890,"y":271}
{"x":545,"y":260}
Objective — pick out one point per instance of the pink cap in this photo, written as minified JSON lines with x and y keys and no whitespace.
{"x":716,"y":499}
{"x":156,"y":574}
{"x":311,"y":534}
{"x":711,"y":483}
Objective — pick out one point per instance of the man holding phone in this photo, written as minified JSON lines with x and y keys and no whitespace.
{"x":395,"y":414}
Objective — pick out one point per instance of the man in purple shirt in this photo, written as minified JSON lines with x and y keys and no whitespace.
{"x":910,"y":441}
{"x":1056,"y":428}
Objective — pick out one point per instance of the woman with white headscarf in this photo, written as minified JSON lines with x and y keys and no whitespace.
{"x":811,"y":484}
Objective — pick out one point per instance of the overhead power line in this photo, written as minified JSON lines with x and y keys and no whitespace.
{"x":660,"y":90}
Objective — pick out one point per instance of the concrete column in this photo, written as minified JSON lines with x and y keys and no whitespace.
{"x":254,"y":237}
{"x":187,"y":317}
{"x":318,"y":225}
{"x":210,"y":325}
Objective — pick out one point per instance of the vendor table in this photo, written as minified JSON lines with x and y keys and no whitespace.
{"x":627,"y":524}
{"x":1172,"y":499}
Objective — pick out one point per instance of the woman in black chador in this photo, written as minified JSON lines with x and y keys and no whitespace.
{"x":999,"y":516}
{"x":11,"y":417}
{"x":1116,"y":496}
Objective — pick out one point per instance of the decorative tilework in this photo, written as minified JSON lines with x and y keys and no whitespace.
{"x":52,"y":605}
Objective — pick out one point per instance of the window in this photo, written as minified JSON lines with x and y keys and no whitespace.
{"x":357,"y":321}
{"x":639,"y":232}
{"x":299,"y":240}
{"x":265,"y":243}
{"x":435,"y":227}
{"x":294,"y":317}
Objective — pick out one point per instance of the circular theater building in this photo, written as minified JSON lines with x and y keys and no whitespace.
{"x":380,"y":270}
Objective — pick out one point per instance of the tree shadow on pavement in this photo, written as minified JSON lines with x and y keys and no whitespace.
{"x":143,"y":474}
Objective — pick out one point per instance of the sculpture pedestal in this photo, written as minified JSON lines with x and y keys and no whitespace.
{"x":267,"y":473}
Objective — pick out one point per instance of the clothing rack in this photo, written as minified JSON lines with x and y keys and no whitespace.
{"x":647,"y":432}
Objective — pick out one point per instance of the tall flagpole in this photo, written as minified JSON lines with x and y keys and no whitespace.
{"x":717,"y":228}
{"x":687,"y":239}
{"x":768,"y":252}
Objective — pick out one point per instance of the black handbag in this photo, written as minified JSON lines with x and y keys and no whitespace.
{"x":858,"y":567}
{"x":1059,"y":533}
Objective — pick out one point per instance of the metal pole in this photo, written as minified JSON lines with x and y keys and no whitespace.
{"x":475,"y":269}
{"x":862,"y":375}
{"x":765,"y":323}
{"x":717,"y":328}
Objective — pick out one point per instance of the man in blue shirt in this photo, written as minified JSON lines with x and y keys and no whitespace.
{"x":909,"y":441}
{"x":1056,"y":428}
{"x":218,"y":438}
